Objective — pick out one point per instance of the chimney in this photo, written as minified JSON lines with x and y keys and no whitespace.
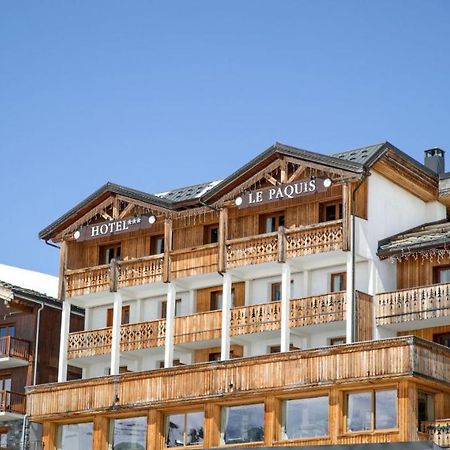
{"x":434,"y":160}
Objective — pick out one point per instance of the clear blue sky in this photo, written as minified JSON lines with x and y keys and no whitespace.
{"x":161,"y":94}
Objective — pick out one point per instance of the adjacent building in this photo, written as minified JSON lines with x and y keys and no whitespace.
{"x":302,"y":301}
{"x":30,"y":316}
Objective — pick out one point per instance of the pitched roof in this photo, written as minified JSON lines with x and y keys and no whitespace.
{"x":361,"y":155}
{"x":422,"y":237}
{"x":188,"y":192}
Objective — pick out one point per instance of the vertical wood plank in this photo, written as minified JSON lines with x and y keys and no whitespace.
{"x":223,"y":236}
{"x":113,"y":275}
{"x":269,"y":421}
{"x":100,"y":438}
{"x":212,"y":426}
{"x":155,"y":430}
{"x":62,"y":270}
{"x":49,"y":436}
{"x":281,"y":244}
{"x":346,"y":217}
{"x":336,"y":411}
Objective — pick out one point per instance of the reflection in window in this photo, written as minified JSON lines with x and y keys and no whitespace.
{"x":243,"y":424}
{"x":305,"y":418}
{"x":75,"y":435}
{"x":184,"y":429}
{"x":372,"y":410}
{"x":128,"y":433}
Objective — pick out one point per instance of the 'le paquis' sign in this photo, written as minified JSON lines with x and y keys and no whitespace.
{"x":283,"y":191}
{"x":113,"y":227}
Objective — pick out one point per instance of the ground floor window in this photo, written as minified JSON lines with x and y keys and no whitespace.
{"x":425,"y":408}
{"x":371,"y":410}
{"x":184,"y":429}
{"x":129,"y":433}
{"x":75,"y":435}
{"x":242,"y":424}
{"x":305,"y":418}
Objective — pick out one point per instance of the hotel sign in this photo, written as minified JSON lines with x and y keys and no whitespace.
{"x":282,"y":192}
{"x":113,"y":227}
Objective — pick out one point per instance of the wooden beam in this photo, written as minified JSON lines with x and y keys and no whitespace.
{"x":49,"y":436}
{"x":271,"y":179}
{"x":100,"y":438}
{"x":105,"y":215}
{"x":62,"y":271}
{"x":167,"y":250}
{"x":127,"y":210}
{"x":223,"y":236}
{"x":281,"y":244}
{"x":296,"y":174}
{"x":283,"y":171}
{"x":115,"y":208}
{"x":113,"y":275}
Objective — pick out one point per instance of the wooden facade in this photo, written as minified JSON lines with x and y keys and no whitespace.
{"x":402,"y":364}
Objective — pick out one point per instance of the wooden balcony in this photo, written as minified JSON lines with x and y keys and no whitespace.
{"x":12,"y":402}
{"x":12,"y":347}
{"x":365,"y":362}
{"x":301,"y":241}
{"x":207,"y":325}
{"x":406,"y":305}
{"x":438,"y":431}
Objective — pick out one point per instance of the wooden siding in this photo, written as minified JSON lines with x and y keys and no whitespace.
{"x":418,"y":272}
{"x":206,"y":325}
{"x":364,"y":314}
{"x":426,"y":333}
{"x":413,"y":304}
{"x":283,"y":372}
{"x":203,"y":296}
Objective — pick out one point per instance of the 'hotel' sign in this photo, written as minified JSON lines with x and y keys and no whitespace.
{"x":283,"y":191}
{"x":114,"y":227}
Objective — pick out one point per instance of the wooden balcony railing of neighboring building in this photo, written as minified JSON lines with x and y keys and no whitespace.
{"x":12,"y":402}
{"x":364,"y":362}
{"x":405,"y":305}
{"x":202,"y":326}
{"x":271,"y":247}
{"x":438,"y":430}
{"x":13,"y":347}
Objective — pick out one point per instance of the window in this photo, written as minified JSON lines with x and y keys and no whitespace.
{"x":157,"y":245}
{"x":330,"y":211}
{"x":5,"y":383}
{"x":371,"y":410}
{"x":215,"y":300}
{"x":268,"y":223}
{"x":276,"y":291}
{"x":75,"y":435}
{"x":341,"y":340}
{"x":184,"y":429}
{"x":7,"y":330}
{"x":277,"y":348}
{"x":338,"y":282}
{"x":211,"y":234}
{"x":175,"y":362}
{"x":441,"y":274}
{"x":443,"y":339}
{"x":305,"y":418}
{"x":235,"y":352}
{"x":3,"y":438}
{"x":109,"y":252}
{"x":125,"y":316}
{"x":122,"y":369}
{"x":127,"y":433}
{"x":240,"y":424}
{"x":164,"y":308}
{"x":425,"y":407}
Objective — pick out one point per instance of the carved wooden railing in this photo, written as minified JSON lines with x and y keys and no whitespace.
{"x":255,"y":318}
{"x":438,"y":430}
{"x":252,"y":250}
{"x":307,"y":240}
{"x":12,"y":402}
{"x":194,"y":261}
{"x":14,"y":347}
{"x":89,"y":343}
{"x":140,"y":271}
{"x":418,"y":303}
{"x":135,"y":336}
{"x":87,"y":281}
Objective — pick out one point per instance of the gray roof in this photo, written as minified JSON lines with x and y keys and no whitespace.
{"x":426,"y":236}
{"x":188,"y":193}
{"x":361,"y":155}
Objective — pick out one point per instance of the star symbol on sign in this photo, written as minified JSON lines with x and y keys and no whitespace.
{"x":138,"y":220}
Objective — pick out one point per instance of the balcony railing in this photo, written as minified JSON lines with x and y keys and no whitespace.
{"x":369,"y":361}
{"x":12,"y":402}
{"x":207,"y":325}
{"x":305,"y":240}
{"x":405,"y":305}
{"x":14,"y":348}
{"x":438,"y":430}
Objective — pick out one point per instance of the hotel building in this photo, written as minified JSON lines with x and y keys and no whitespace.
{"x":302,"y":301}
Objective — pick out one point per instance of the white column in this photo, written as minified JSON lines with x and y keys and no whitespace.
{"x":138,"y":310}
{"x":115,"y":341}
{"x":247,"y":292}
{"x":306,"y":283}
{"x":285,"y":297}
{"x":349,"y":300}
{"x":170,"y":322}
{"x":87,"y":318}
{"x":191,"y":303}
{"x":64,"y":341}
{"x":226,"y":317}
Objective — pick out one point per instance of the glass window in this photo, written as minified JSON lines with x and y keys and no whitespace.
{"x":215,"y":300}
{"x":164,"y":308}
{"x":372,"y":410}
{"x":338,"y":282}
{"x":359,"y":411}
{"x":385,"y":409}
{"x":184,"y":429}
{"x":268,"y":223}
{"x":443,"y":339}
{"x":130,"y":433}
{"x":125,"y":316}
{"x":441,"y":274}
{"x":109,"y":252}
{"x":425,"y":407}
{"x":156,"y":245}
{"x":75,"y":435}
{"x":305,"y":418}
{"x":242,"y":424}
{"x":276,"y":292}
